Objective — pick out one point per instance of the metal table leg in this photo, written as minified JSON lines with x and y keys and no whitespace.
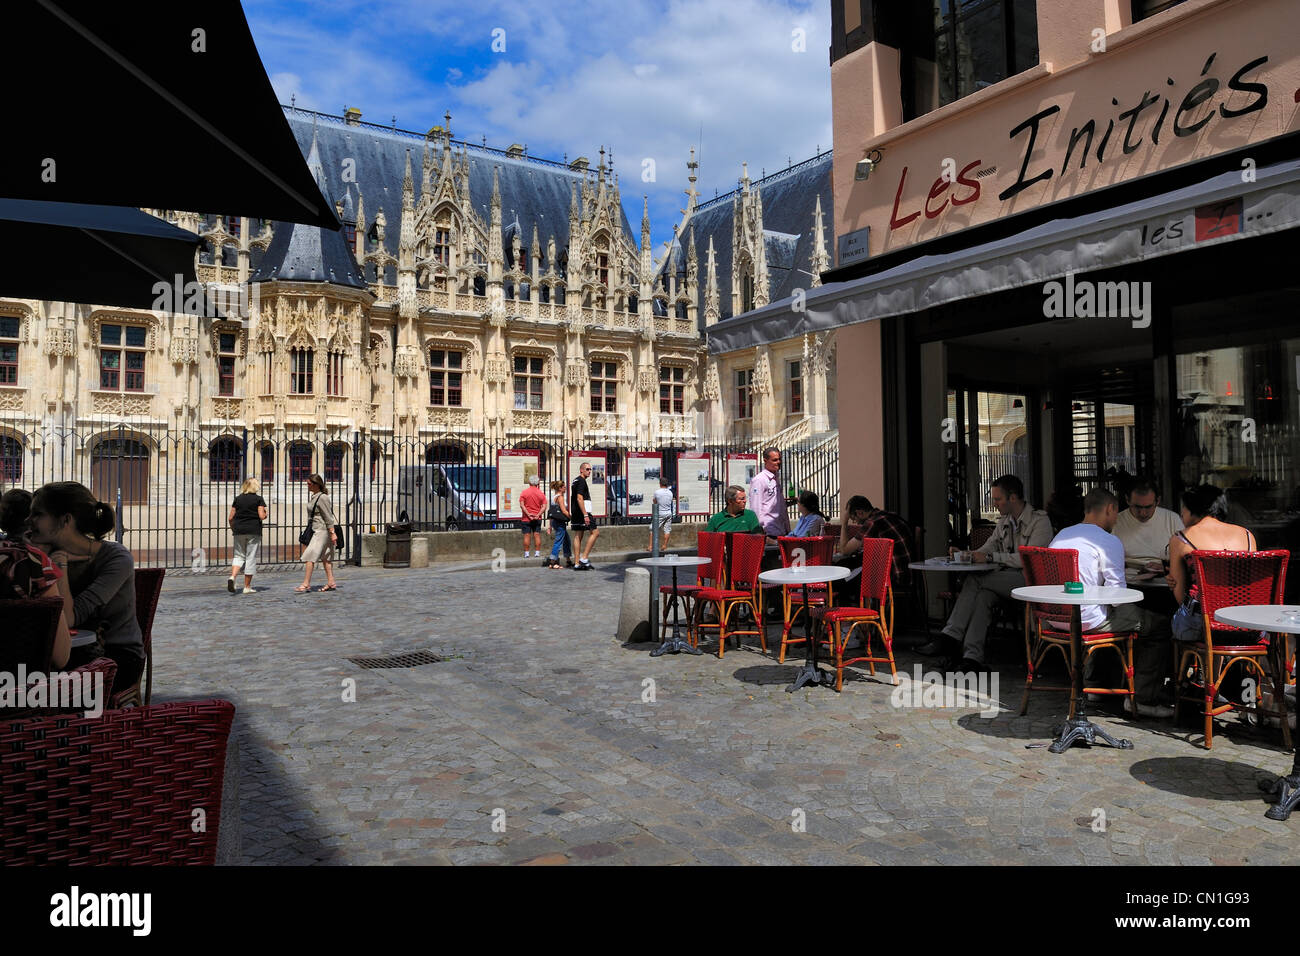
{"x":1079,"y":728}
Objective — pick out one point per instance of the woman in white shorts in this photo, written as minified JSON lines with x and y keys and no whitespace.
{"x":247,"y":512}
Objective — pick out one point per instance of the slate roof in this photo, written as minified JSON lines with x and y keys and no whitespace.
{"x":300,"y":253}
{"x":789,"y":200}
{"x":532,"y":191}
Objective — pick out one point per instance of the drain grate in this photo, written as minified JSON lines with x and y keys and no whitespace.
{"x":411,"y":659}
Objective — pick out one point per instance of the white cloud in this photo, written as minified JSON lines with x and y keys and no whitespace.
{"x":643,"y":79}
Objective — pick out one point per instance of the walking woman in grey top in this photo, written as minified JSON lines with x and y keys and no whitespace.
{"x":320,"y":512}
{"x":70,"y":524}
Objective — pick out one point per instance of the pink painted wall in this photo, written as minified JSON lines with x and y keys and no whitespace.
{"x":861,"y":422}
{"x":1182,"y":71}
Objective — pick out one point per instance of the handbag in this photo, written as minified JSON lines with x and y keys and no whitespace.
{"x":555,"y":514}
{"x":1188,"y":623}
{"x":338,"y":537}
{"x":304,"y":539}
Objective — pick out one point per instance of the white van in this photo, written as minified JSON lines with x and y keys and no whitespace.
{"x":451,"y":497}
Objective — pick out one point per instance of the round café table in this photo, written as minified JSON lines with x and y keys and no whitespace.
{"x":1275,"y":619}
{"x":1079,"y":728}
{"x":946,"y":564}
{"x":803,"y":576}
{"x":676,"y":643}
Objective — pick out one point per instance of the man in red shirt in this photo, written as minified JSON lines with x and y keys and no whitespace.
{"x":532,"y":504}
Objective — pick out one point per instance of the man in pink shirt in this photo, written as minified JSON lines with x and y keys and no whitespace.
{"x":532,"y":503}
{"x":766,"y":499}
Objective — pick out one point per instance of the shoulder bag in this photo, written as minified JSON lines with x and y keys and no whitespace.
{"x":304,"y":539}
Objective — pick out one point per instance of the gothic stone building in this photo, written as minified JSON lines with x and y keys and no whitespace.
{"x":473,"y":298}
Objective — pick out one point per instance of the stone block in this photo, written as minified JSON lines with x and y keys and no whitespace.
{"x":634,"y":613}
{"x":419,"y":551}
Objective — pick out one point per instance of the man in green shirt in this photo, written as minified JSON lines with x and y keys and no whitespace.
{"x":735,"y":516}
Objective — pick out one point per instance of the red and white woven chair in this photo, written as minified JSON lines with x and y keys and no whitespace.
{"x":875,"y":589}
{"x":741,"y":589}
{"x":810,"y":552}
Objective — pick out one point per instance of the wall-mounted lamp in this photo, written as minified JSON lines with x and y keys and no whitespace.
{"x":869,"y":161}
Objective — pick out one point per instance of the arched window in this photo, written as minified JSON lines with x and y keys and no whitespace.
{"x":120,"y":464}
{"x":267,"y":453}
{"x":300,"y":459}
{"x":301,"y":367}
{"x":376,"y":460}
{"x":226,"y":460}
{"x":747,"y":293}
{"x":11,"y":460}
{"x":444,"y":453}
{"x":335,"y":452}
{"x":631,"y":304}
{"x":480,"y":285}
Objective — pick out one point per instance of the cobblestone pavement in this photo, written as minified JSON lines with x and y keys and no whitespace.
{"x":538,"y":721}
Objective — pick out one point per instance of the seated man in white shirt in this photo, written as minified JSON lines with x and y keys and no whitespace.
{"x":1101,"y":564}
{"x":1145,"y":528}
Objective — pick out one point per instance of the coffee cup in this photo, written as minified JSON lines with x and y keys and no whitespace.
{"x":961,"y":557}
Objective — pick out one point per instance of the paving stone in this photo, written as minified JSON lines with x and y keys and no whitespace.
{"x":543,"y":720}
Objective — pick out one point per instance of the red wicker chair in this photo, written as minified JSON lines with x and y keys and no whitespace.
{"x":710,"y":544}
{"x":1047,"y":566}
{"x":1225,"y":579}
{"x":31,"y":626}
{"x":877,"y":562}
{"x":148,"y":587}
{"x":812,"y":552}
{"x":114,"y":790}
{"x":741,"y":589}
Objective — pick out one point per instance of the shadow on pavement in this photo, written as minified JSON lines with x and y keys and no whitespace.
{"x":1206,"y":778}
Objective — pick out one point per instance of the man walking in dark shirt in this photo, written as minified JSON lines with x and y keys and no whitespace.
{"x":585,"y":531}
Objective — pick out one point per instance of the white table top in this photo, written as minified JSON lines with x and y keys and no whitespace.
{"x":1055,"y":594}
{"x":674,"y":561}
{"x":943,"y":564}
{"x":1262,"y":617}
{"x":808,"y":574}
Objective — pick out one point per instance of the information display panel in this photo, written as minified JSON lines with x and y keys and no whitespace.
{"x":514,"y":468}
{"x":693,"y":483}
{"x":741,"y":469}
{"x":643,"y":471}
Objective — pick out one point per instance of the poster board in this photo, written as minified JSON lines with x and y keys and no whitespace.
{"x":643,"y":471}
{"x":693,"y":483}
{"x":741,"y":469}
{"x":596,"y":484}
{"x":514,"y":468}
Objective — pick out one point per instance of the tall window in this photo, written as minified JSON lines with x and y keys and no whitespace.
{"x":232,"y":225}
{"x":602,"y":269}
{"x":225,"y":460}
{"x":672,"y":389}
{"x":300,"y":372}
{"x":747,"y":292}
{"x":268,"y":463}
{"x":121,"y":357}
{"x":528,"y":381}
{"x":11,"y":459}
{"x":376,"y":460}
{"x":745,"y":393}
{"x":350,"y":234}
{"x":268,"y":368}
{"x":796,"y":388}
{"x":8,"y":350}
{"x":334,"y":454}
{"x":442,"y":246}
{"x":226,"y":363}
{"x":334,"y":373}
{"x":979,"y":42}
{"x":604,"y":386}
{"x":1149,"y":8}
{"x":299,"y":461}
{"x":444,"y":377}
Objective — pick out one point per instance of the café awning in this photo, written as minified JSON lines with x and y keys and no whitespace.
{"x":156,"y":107}
{"x":1221,"y":209}
{"x":82,"y":253}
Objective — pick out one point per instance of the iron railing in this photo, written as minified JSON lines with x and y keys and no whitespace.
{"x":172,"y":490}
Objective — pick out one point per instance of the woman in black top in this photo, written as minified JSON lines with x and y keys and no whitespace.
{"x":70,"y":524}
{"x":247,"y":512}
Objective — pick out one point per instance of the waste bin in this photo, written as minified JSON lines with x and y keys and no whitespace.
{"x":397,"y":547}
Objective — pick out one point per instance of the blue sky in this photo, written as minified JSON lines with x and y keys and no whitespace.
{"x":649,"y":79}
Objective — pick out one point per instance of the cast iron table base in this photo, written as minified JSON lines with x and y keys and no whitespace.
{"x":1079,"y":729}
{"x":676,"y":643}
{"x":811,"y":673}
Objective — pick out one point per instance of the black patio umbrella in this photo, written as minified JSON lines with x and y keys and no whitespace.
{"x":150,"y":105}
{"x":81,"y":253}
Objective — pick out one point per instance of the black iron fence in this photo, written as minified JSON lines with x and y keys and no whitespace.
{"x":172,"y":490}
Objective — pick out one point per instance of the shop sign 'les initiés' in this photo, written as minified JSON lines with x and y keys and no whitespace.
{"x":1128,"y":127}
